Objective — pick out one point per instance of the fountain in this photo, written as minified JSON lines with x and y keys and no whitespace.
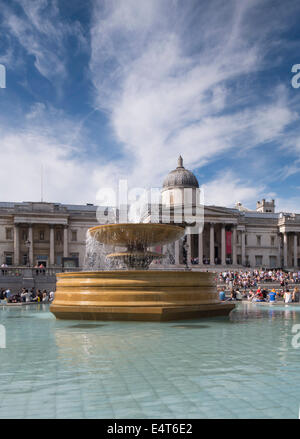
{"x":137,"y":293}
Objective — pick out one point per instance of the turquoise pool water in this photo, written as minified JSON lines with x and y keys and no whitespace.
{"x":238,"y":367}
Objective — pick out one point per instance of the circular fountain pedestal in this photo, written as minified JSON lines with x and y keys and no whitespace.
{"x":137,"y":295}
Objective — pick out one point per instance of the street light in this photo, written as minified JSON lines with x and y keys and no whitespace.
{"x":28,"y":244}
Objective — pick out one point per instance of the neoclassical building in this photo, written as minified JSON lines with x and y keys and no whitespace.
{"x":51,"y":233}
{"x":48,"y":233}
{"x":232,"y":237}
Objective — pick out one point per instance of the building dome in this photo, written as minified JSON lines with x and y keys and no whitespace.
{"x":180,"y":178}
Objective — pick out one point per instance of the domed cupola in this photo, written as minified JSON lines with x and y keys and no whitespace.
{"x":180,"y":178}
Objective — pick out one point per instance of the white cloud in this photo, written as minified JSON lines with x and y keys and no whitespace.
{"x":227,"y":189}
{"x":50,"y":140}
{"x":169,"y":86}
{"x":164,"y":98}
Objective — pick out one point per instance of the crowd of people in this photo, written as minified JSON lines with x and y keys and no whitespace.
{"x":262,"y":295}
{"x":252,"y":286}
{"x":253,"y":278}
{"x":26,"y":295}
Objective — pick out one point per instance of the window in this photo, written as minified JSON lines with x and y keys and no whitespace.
{"x":74,"y":235}
{"x":246,"y":240}
{"x":239,"y":259}
{"x":42,"y":235}
{"x":9,"y":234}
{"x":25,"y":258}
{"x":258,"y":260}
{"x":75,"y":257}
{"x":58,"y":236}
{"x":273,"y":261}
{"x":8,"y":258}
{"x":272,"y":241}
{"x":258,"y":240}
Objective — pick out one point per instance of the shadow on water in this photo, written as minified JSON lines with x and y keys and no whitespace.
{"x":191,"y":326}
{"x":86,"y":326}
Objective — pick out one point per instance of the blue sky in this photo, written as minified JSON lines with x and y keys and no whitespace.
{"x":105,"y":89}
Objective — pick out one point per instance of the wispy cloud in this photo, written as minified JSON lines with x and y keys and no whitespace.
{"x":227,"y":189}
{"x":171,"y":83}
{"x":169,"y":78}
{"x":40,"y":30}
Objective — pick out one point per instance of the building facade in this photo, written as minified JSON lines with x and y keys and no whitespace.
{"x":44,"y":233}
{"x":34,"y":233}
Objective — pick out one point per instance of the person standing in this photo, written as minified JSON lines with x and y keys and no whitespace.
{"x":7,"y":294}
{"x":287,"y":297}
{"x":296,"y":295}
{"x":222,"y":295}
{"x":272,"y":296}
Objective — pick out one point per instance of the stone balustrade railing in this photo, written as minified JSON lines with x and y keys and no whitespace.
{"x":16,"y":272}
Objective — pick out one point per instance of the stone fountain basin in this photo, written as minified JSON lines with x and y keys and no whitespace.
{"x":137,"y":234}
{"x":137,"y":295}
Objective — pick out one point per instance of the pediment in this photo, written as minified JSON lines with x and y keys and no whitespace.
{"x":217,"y":211}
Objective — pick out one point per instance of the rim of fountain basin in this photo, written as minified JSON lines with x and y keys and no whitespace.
{"x":134,"y":226}
{"x":138,"y":278}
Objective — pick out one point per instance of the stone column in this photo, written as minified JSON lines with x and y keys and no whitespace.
{"x":66,"y":242}
{"x":30,"y":239}
{"x":234,"y":257}
{"x":212,"y":244}
{"x":243,"y":248}
{"x":223,"y":245}
{"x":295,"y":251}
{"x":285,"y":249}
{"x":16,"y":245}
{"x":177,"y":252}
{"x":200,"y":248}
{"x":52,"y":252}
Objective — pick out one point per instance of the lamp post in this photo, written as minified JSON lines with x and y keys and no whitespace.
{"x":28,"y":244}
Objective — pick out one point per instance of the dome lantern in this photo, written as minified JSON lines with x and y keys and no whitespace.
{"x":180,"y":178}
